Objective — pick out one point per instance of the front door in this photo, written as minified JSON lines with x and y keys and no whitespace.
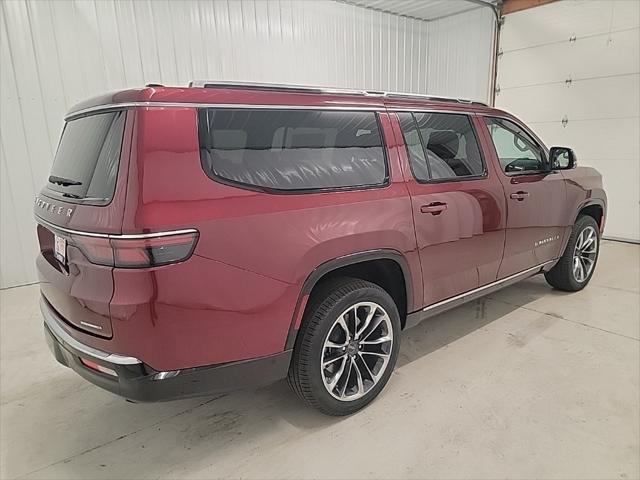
{"x":535,"y":197}
{"x":458,"y":204}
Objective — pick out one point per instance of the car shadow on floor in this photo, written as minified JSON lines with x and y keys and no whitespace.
{"x":220,"y":427}
{"x":443,"y":329}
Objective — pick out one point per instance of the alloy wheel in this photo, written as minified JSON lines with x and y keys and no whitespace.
{"x":584,"y":254}
{"x":356,"y":351}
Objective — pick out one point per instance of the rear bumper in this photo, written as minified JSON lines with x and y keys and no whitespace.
{"x":136,"y":381}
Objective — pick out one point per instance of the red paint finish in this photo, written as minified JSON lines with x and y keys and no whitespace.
{"x":82,"y":292}
{"x":237,"y":294}
{"x":540,"y":209}
{"x":241,"y":292}
{"x":461,"y":246}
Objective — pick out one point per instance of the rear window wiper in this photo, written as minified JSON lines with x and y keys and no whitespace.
{"x":71,"y":195}
{"x":65,"y":182}
{"x":80,"y":197}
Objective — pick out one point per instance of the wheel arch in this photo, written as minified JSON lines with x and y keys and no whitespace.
{"x":348,"y":265}
{"x":594,"y":208}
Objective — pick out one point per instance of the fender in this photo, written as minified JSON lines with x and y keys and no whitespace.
{"x":586,"y":203}
{"x":346,"y":260}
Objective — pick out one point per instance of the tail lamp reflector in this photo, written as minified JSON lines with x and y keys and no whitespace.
{"x":97,"y":367}
{"x":132,"y":252}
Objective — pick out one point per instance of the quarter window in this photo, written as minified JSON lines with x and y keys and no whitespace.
{"x":292,"y":150}
{"x":441,"y":146}
{"x":85,"y":167}
{"x":517,"y":151}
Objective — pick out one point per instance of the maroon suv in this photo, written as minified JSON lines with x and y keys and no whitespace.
{"x":195,"y":240}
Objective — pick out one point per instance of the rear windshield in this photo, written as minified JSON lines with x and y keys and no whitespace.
{"x":86,"y":162}
{"x":292,"y":150}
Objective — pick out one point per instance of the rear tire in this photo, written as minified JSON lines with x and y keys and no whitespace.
{"x":347,"y":346}
{"x":578,"y":262}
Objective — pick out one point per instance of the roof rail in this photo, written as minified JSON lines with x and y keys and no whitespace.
{"x":435,"y":98}
{"x":282,"y":87}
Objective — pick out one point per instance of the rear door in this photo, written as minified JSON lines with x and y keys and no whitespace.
{"x":458,"y":205}
{"x":81,"y":203}
{"x":536,"y":197}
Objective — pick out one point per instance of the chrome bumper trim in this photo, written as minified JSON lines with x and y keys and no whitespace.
{"x":52,"y":322}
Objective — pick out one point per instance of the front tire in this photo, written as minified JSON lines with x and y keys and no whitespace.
{"x":578,"y":262}
{"x":347,"y":346}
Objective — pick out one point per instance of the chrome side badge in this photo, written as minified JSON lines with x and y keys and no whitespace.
{"x":544,"y":241}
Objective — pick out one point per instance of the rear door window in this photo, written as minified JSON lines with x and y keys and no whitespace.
{"x":85,"y":167}
{"x":292,"y":150}
{"x":417,"y":158}
{"x":441,"y":146}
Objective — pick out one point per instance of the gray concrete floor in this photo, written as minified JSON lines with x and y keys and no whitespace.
{"x":528,"y":383}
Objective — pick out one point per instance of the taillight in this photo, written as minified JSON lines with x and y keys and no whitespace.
{"x":137,"y":251}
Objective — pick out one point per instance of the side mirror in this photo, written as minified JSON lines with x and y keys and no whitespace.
{"x":562,"y":158}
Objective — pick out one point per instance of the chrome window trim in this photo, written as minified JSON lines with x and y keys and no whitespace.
{"x":133,"y":236}
{"x":369,"y":108}
{"x":111,"y":106}
{"x":57,"y":331}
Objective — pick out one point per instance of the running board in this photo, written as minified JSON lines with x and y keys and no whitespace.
{"x":416,"y":317}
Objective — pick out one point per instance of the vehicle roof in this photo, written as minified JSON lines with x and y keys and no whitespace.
{"x":225,"y":93}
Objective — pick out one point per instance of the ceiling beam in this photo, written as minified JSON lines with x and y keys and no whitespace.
{"x":511,"y":6}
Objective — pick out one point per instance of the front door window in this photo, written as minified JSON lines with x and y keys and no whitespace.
{"x":517,"y":151}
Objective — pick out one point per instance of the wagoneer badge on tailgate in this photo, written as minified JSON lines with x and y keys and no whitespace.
{"x":52,"y":208}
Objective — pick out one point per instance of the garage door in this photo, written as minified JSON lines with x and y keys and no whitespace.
{"x":571,"y":70}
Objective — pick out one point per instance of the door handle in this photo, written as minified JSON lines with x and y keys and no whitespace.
{"x":434,"y":208}
{"x":520,"y":195}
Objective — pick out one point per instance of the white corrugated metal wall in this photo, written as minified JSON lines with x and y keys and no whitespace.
{"x":56,"y":53}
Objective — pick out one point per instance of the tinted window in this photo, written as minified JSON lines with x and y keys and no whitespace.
{"x":292,"y":149}
{"x":516,"y":150}
{"x":87,"y":159}
{"x":417,"y":158}
{"x":447,"y":146}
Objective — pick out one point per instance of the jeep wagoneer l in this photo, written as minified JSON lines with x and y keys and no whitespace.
{"x":195,"y":240}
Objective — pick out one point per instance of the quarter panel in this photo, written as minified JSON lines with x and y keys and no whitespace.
{"x":235,"y":298}
{"x":283,"y":236}
{"x":200,"y":312}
